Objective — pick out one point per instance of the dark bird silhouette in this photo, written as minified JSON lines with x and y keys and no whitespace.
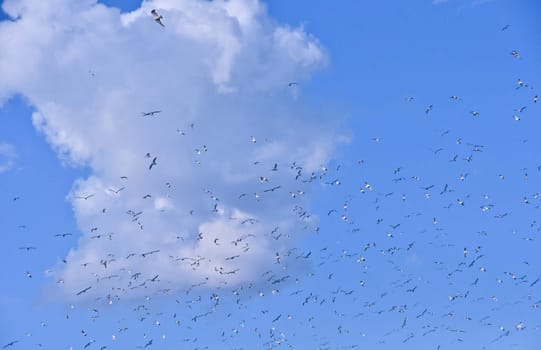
{"x":62,"y":234}
{"x":10,"y":344}
{"x":153,"y":163}
{"x":150,"y":114}
{"x":272,"y":189}
{"x":27,"y":248}
{"x":144,"y":255}
{"x":84,"y":290}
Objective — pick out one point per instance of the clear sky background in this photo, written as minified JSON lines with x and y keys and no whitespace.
{"x":317,"y":175}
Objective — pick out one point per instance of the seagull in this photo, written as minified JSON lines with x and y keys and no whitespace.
{"x":505,"y":27}
{"x":84,"y":290}
{"x":27,"y":248}
{"x":153,"y":163}
{"x":292,"y":84}
{"x":150,"y":114}
{"x":157,"y":17}
{"x":10,"y":344}
{"x":144,"y":255}
{"x":62,"y":234}
{"x":85,"y":197}
{"x":115,"y":191}
{"x":272,"y":189}
{"x":515,"y":54}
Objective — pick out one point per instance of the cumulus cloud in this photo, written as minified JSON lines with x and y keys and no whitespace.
{"x":7,"y":157}
{"x":232,"y":151}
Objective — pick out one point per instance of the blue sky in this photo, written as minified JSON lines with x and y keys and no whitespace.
{"x":388,"y":198}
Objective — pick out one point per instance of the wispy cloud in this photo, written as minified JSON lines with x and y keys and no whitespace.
{"x":7,"y":157}
{"x":471,"y":2}
{"x":231,"y":149}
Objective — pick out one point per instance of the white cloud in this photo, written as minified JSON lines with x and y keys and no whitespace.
{"x":219,"y":74}
{"x":472,"y":2}
{"x":7,"y":157}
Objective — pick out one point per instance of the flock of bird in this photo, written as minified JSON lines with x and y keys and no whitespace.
{"x":363,"y":261}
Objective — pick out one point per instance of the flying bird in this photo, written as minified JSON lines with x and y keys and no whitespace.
{"x":157,"y":17}
{"x":150,"y":114}
{"x":272,"y":189}
{"x":84,"y":290}
{"x":62,"y":234}
{"x":10,"y":344}
{"x":144,"y":255}
{"x":27,"y":248}
{"x":115,"y":191}
{"x":153,"y":163}
{"x":85,"y":197}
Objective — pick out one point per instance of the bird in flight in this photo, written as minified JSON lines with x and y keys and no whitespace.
{"x":62,"y":234}
{"x":84,"y":290}
{"x":115,"y":191}
{"x":144,"y":255}
{"x":157,"y":17}
{"x":153,"y":163}
{"x":150,"y":114}
{"x":10,"y":344}
{"x":27,"y":248}
{"x":272,"y":189}
{"x":85,"y":197}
